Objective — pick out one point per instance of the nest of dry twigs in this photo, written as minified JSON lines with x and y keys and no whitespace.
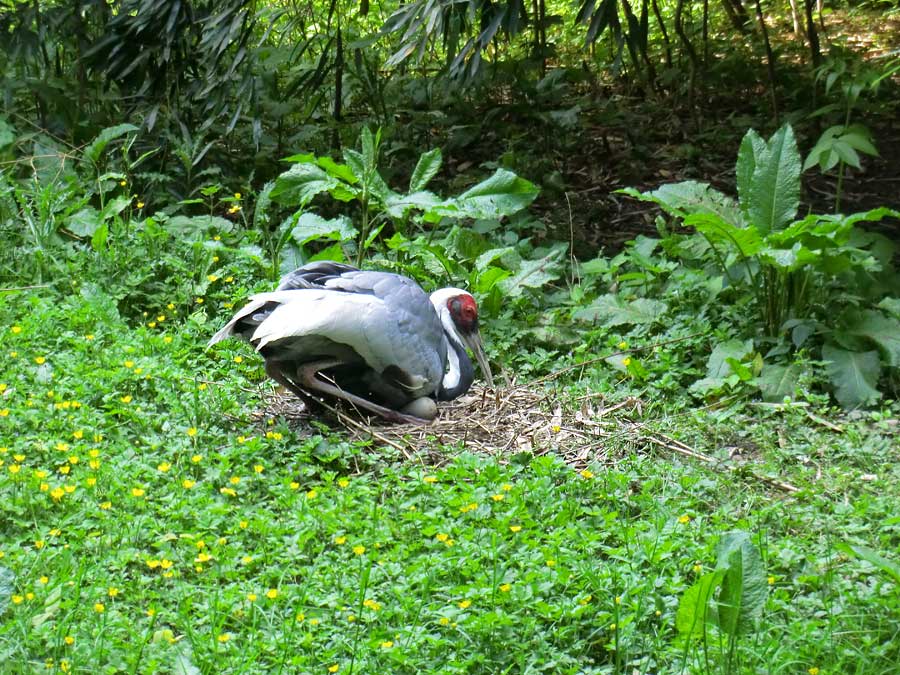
{"x":520,"y":418}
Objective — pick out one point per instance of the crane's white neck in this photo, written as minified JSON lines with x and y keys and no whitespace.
{"x":459,"y":373}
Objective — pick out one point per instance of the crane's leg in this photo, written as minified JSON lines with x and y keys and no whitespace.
{"x":307,"y":375}
{"x":274,"y":371}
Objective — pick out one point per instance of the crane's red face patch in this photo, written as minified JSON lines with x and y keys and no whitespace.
{"x":464,"y":312}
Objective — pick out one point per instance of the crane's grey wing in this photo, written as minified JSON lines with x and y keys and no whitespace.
{"x":386,"y":319}
{"x":246,"y":320}
{"x":303,"y":319}
{"x":410,"y":331}
{"x":314,"y":275}
{"x":416,"y":335}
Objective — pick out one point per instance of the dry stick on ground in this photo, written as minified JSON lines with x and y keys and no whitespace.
{"x":679,"y":447}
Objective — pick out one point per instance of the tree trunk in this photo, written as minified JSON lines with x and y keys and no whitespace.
{"x":679,"y":29}
{"x":737,"y":15}
{"x":665,"y":33}
{"x":813,"y":34}
{"x":770,"y":60}
{"x":795,"y":17}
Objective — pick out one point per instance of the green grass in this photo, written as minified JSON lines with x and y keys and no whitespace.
{"x":151,"y":524}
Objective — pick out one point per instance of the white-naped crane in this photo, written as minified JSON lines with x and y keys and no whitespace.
{"x":374,"y":339}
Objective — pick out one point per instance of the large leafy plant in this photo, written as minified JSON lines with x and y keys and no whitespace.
{"x":359,"y":180}
{"x":411,"y":215}
{"x":726,"y":603}
{"x":815,"y":276}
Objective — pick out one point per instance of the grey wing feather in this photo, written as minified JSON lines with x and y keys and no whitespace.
{"x":401,"y":330}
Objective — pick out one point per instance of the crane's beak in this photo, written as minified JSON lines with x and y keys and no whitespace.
{"x":473,"y":342}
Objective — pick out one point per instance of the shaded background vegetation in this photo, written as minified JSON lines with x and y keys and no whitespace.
{"x":583,"y":96}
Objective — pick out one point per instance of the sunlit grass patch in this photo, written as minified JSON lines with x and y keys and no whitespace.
{"x":173,"y":528}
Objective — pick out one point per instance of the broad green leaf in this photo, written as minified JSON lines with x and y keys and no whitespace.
{"x":873,"y":558}
{"x":83,"y":223}
{"x":334,"y":252}
{"x":816,"y":230}
{"x":503,"y":194}
{"x":752,"y":148}
{"x":534,"y":273}
{"x":775,"y":188}
{"x":398,"y":206}
{"x":596,"y":266}
{"x":96,"y":147}
{"x":115,"y":206}
{"x":291,"y":258}
{"x":302,"y":158}
{"x":369,"y":145}
{"x":854,"y":375}
{"x":846,"y":153}
{"x":252,"y":252}
{"x":356,"y":162}
{"x":691,"y":197}
{"x":873,"y":215}
{"x":377,"y":187}
{"x":859,"y":138}
{"x":822,"y":153}
{"x":891,"y":305}
{"x":693,"y":608}
{"x":183,"y":660}
{"x":485,"y":259}
{"x":744,"y":585}
{"x":426,"y":168}
{"x":311,"y":226}
{"x":717,"y":365}
{"x":489,"y":278}
{"x":341,"y":171}
{"x":612,"y":310}
{"x":777,"y":382}
{"x":261,"y":210}
{"x":789,"y":259}
{"x":100,"y":236}
{"x":840,"y":143}
{"x":298,"y":185}
{"x":7,"y":137}
{"x":882,"y":330}
{"x":745,"y":241}
{"x":196,"y":227}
